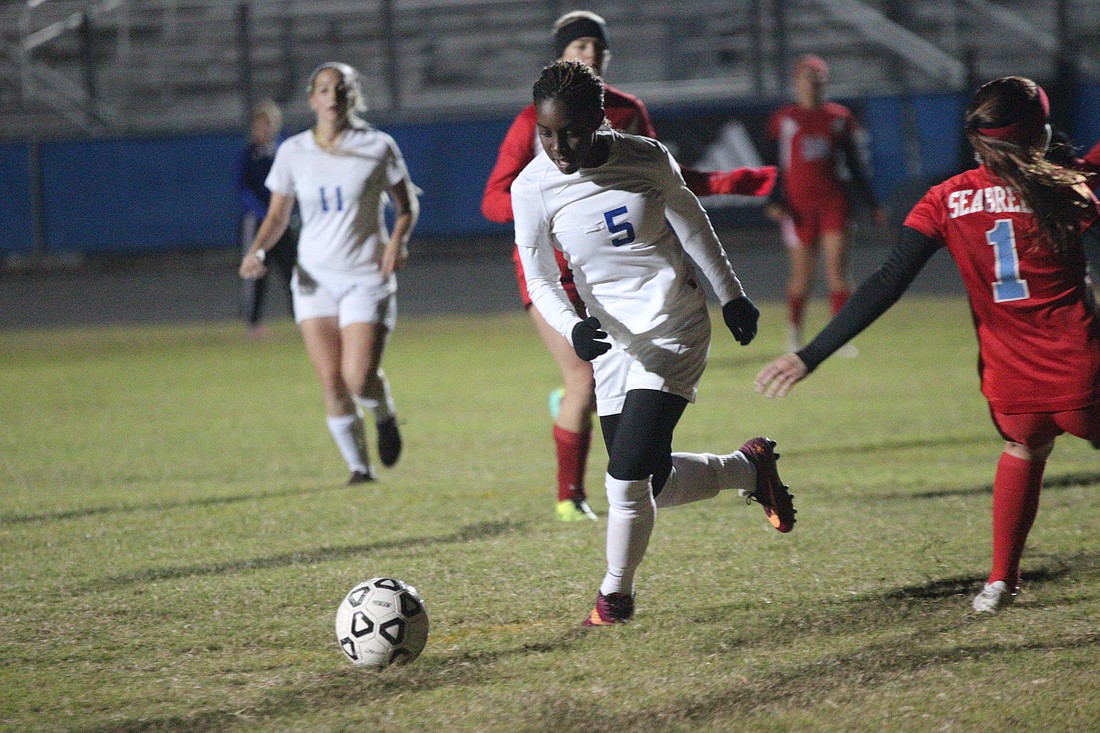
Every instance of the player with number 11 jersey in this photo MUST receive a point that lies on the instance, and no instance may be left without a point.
(341, 194)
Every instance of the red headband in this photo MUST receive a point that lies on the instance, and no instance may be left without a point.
(1025, 129)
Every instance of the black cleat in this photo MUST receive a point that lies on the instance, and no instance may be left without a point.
(360, 477)
(389, 442)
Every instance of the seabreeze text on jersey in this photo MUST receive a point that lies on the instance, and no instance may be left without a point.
(992, 200)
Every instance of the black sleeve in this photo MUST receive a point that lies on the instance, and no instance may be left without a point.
(778, 193)
(861, 179)
(873, 297)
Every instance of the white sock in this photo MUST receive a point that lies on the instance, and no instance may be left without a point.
(383, 409)
(698, 476)
(347, 431)
(629, 524)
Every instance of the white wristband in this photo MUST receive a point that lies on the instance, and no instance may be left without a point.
(260, 254)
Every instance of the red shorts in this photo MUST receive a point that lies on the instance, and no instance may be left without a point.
(1038, 429)
(566, 279)
(808, 220)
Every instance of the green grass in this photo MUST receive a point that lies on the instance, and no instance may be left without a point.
(175, 537)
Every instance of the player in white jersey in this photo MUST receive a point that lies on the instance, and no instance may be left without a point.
(607, 201)
(341, 173)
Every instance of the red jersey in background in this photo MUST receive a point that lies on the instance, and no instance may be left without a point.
(811, 143)
(1039, 342)
(625, 112)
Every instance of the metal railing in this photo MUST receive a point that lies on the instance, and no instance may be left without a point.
(131, 66)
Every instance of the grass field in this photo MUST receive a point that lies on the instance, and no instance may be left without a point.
(175, 537)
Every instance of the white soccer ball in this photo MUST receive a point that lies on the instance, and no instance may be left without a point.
(382, 622)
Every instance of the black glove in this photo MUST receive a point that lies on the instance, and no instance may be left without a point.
(741, 316)
(587, 339)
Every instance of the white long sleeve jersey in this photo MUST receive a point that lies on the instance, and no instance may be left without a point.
(612, 223)
(341, 196)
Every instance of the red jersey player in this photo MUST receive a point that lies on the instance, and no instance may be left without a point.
(816, 141)
(1013, 226)
(582, 36)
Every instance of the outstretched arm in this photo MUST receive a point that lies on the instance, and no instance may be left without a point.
(746, 181)
(870, 300)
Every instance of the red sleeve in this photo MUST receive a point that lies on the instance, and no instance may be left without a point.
(627, 113)
(739, 181)
(645, 125)
(929, 215)
(1091, 161)
(516, 151)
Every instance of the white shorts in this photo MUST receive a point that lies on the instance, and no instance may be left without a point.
(352, 300)
(671, 364)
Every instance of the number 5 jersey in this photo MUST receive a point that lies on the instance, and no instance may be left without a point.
(624, 227)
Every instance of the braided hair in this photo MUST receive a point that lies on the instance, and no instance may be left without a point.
(573, 83)
(1006, 123)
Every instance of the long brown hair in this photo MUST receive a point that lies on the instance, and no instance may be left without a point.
(1006, 123)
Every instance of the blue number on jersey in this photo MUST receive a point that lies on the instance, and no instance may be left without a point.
(1006, 261)
(626, 228)
(339, 199)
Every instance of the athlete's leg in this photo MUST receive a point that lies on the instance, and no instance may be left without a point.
(252, 289)
(573, 425)
(364, 344)
(642, 446)
(1016, 489)
(283, 257)
(362, 348)
(834, 245)
(834, 242)
(803, 261)
(1029, 439)
(1083, 423)
(323, 346)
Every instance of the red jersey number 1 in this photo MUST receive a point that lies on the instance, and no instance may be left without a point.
(1006, 262)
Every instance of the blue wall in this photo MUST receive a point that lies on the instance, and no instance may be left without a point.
(1087, 115)
(141, 195)
(16, 224)
(936, 120)
(451, 162)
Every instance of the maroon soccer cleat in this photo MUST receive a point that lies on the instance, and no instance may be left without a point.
(614, 608)
(771, 492)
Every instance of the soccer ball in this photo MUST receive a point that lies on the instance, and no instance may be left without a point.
(382, 622)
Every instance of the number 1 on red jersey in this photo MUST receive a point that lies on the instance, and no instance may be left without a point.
(1006, 262)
